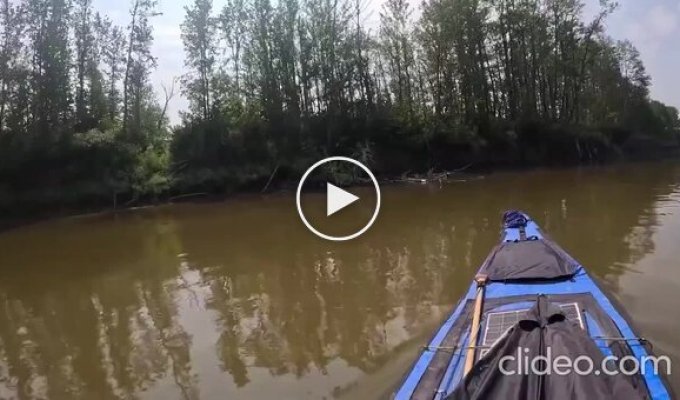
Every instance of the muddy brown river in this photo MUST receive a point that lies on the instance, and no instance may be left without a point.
(237, 300)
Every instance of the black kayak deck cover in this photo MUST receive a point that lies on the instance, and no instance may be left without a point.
(545, 326)
(528, 260)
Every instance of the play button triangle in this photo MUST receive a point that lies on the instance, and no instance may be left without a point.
(337, 199)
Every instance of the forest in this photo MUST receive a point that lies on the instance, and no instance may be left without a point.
(273, 86)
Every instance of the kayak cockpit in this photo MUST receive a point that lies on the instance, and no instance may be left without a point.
(445, 370)
(543, 333)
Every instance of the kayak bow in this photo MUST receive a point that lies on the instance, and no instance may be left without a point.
(531, 295)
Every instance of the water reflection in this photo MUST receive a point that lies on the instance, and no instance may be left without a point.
(235, 300)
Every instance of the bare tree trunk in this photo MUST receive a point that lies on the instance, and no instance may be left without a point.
(169, 94)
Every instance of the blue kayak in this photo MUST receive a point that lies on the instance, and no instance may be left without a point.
(531, 298)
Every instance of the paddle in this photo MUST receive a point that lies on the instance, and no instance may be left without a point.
(476, 318)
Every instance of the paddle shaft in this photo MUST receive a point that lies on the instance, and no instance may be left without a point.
(476, 318)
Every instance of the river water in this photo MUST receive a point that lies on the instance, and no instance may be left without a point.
(237, 300)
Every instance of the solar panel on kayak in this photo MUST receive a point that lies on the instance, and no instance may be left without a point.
(498, 323)
(541, 329)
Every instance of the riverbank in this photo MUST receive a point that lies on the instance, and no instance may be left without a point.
(28, 211)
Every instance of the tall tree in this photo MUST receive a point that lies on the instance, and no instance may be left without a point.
(51, 63)
(97, 99)
(138, 65)
(397, 46)
(113, 60)
(199, 38)
(84, 42)
(232, 24)
(12, 27)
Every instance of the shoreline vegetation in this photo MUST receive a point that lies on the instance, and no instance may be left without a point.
(465, 174)
(274, 86)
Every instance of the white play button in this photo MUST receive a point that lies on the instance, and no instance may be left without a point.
(337, 199)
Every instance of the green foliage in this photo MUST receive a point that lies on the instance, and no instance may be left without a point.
(664, 118)
(64, 141)
(150, 176)
(470, 81)
(275, 85)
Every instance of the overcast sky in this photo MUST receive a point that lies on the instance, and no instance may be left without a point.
(652, 25)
